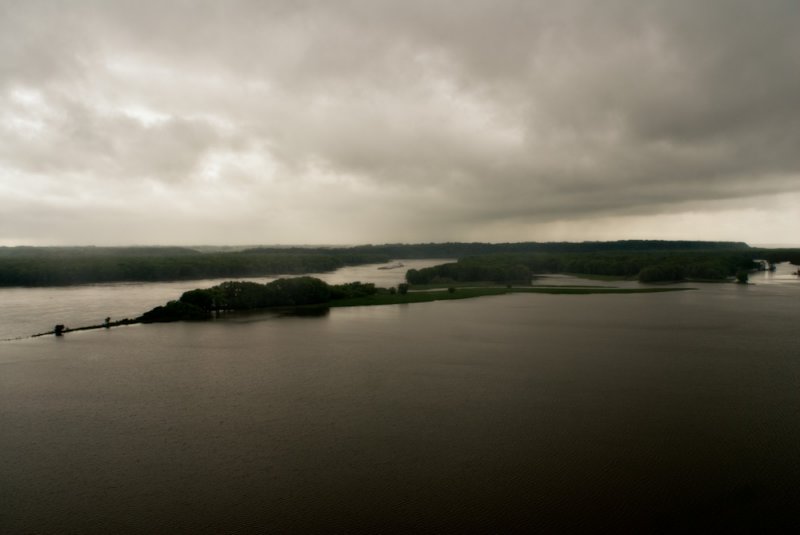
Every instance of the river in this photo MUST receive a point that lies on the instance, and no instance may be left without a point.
(666, 412)
(27, 311)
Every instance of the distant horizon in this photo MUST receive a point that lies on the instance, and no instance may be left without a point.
(346, 245)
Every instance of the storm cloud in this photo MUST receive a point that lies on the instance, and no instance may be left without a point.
(371, 121)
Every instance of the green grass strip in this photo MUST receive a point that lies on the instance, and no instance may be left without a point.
(598, 277)
(485, 284)
(467, 293)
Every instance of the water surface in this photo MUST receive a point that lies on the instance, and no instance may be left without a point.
(666, 412)
(27, 311)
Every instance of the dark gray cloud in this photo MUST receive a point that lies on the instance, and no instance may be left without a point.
(353, 121)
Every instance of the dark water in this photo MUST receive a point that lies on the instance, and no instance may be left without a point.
(671, 412)
(27, 311)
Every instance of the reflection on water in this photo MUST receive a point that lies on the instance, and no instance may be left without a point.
(785, 274)
(666, 412)
(27, 311)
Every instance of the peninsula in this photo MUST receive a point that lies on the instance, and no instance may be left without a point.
(309, 293)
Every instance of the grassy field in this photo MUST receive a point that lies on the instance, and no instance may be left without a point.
(489, 284)
(468, 293)
(589, 276)
(571, 286)
(453, 284)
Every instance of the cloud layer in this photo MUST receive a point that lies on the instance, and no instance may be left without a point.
(371, 121)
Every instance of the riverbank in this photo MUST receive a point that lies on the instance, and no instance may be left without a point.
(463, 292)
(383, 297)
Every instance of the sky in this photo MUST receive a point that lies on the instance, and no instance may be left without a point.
(348, 122)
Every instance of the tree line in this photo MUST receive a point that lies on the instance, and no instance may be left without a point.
(462, 250)
(647, 266)
(57, 268)
(649, 260)
(239, 295)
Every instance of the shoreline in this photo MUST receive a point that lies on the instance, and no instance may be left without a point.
(383, 299)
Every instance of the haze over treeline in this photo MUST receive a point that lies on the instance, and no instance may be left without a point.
(241, 122)
(673, 260)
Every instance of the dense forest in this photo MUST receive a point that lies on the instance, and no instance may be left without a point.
(80, 265)
(461, 250)
(237, 295)
(647, 260)
(646, 266)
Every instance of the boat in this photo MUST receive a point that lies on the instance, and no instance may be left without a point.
(392, 266)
